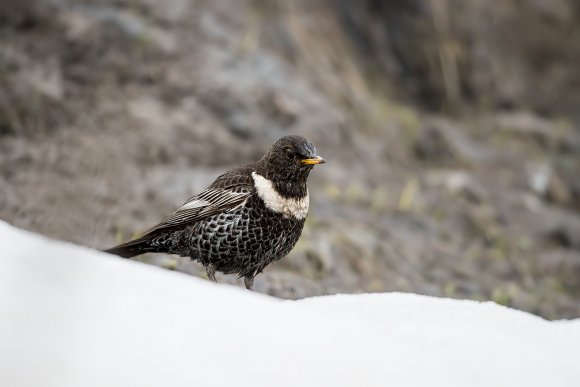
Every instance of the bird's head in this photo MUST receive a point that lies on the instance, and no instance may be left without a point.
(292, 155)
(290, 160)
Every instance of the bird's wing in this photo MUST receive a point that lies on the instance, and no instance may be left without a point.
(228, 191)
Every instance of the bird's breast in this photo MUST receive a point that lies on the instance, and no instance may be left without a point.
(289, 207)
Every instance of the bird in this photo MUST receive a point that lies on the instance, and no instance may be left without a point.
(250, 216)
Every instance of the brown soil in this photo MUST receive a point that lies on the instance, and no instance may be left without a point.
(450, 130)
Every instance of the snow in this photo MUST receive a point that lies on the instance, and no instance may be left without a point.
(71, 316)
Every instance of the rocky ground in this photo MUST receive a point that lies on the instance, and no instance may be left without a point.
(453, 167)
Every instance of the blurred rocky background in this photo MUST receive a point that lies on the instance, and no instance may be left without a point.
(451, 130)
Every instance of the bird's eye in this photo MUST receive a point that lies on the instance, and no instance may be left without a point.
(289, 153)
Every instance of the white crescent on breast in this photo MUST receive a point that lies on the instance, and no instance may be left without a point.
(297, 208)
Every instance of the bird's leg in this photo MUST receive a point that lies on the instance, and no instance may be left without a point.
(210, 272)
(249, 281)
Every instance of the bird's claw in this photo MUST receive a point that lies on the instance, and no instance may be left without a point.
(210, 272)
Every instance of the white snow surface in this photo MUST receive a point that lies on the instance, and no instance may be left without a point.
(71, 316)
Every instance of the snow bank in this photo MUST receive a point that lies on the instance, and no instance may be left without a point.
(70, 316)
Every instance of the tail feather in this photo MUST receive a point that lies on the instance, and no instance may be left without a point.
(132, 248)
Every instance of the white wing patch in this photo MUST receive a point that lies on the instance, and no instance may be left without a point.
(194, 203)
(214, 198)
(209, 202)
(297, 208)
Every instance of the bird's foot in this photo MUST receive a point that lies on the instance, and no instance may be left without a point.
(210, 272)
(249, 282)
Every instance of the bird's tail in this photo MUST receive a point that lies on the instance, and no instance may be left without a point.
(132, 248)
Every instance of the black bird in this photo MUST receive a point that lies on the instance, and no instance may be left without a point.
(249, 217)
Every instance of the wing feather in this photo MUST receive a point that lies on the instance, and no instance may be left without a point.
(227, 192)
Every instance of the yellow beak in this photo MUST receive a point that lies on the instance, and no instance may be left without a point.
(314, 160)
